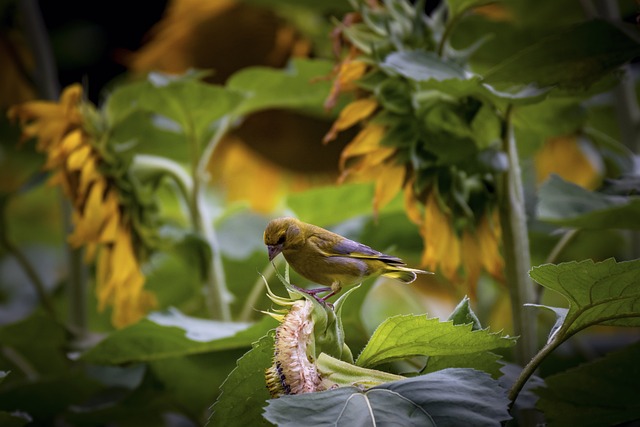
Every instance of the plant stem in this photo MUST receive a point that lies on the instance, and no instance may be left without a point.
(555, 253)
(46, 78)
(24, 263)
(258, 289)
(218, 296)
(515, 243)
(531, 367)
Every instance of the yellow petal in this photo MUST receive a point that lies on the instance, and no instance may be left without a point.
(350, 115)
(366, 141)
(411, 204)
(388, 183)
(77, 158)
(93, 215)
(564, 156)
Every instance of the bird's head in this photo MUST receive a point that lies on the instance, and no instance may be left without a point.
(282, 234)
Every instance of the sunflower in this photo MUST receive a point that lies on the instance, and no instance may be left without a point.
(566, 156)
(101, 219)
(272, 153)
(419, 139)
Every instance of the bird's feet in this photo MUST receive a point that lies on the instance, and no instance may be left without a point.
(314, 293)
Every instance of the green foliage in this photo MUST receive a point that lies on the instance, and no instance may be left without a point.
(405, 336)
(441, 398)
(173, 334)
(602, 392)
(244, 392)
(449, 86)
(570, 205)
(606, 292)
(573, 58)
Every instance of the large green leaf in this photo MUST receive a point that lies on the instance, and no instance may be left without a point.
(194, 381)
(573, 58)
(400, 337)
(606, 292)
(570, 205)
(299, 86)
(451, 397)
(603, 392)
(329, 205)
(39, 341)
(173, 334)
(482, 361)
(244, 392)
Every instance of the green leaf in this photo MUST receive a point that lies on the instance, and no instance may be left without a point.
(244, 392)
(193, 104)
(172, 335)
(299, 86)
(451, 397)
(574, 58)
(567, 204)
(193, 381)
(401, 337)
(332, 204)
(40, 341)
(606, 292)
(602, 392)
(463, 315)
(484, 361)
(420, 66)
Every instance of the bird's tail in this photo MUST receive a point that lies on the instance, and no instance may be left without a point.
(404, 274)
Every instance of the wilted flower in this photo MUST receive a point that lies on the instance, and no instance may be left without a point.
(418, 138)
(102, 220)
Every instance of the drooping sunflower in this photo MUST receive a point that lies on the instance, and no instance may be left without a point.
(273, 152)
(103, 212)
(435, 142)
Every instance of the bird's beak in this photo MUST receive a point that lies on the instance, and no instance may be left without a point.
(274, 250)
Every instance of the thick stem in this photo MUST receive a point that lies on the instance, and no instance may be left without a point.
(515, 243)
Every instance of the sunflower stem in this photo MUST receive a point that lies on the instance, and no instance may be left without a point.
(515, 243)
(46, 78)
(217, 293)
(257, 290)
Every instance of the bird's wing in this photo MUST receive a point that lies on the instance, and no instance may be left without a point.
(346, 247)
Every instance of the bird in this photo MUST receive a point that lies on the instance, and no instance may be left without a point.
(329, 259)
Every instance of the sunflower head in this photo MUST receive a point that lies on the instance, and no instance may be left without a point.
(427, 129)
(108, 214)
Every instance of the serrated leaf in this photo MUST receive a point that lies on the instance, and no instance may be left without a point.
(300, 85)
(451, 397)
(606, 292)
(244, 392)
(602, 392)
(401, 337)
(573, 58)
(148, 340)
(567, 204)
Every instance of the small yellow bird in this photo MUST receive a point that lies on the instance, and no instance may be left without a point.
(329, 259)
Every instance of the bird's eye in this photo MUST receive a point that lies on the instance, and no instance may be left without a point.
(280, 240)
